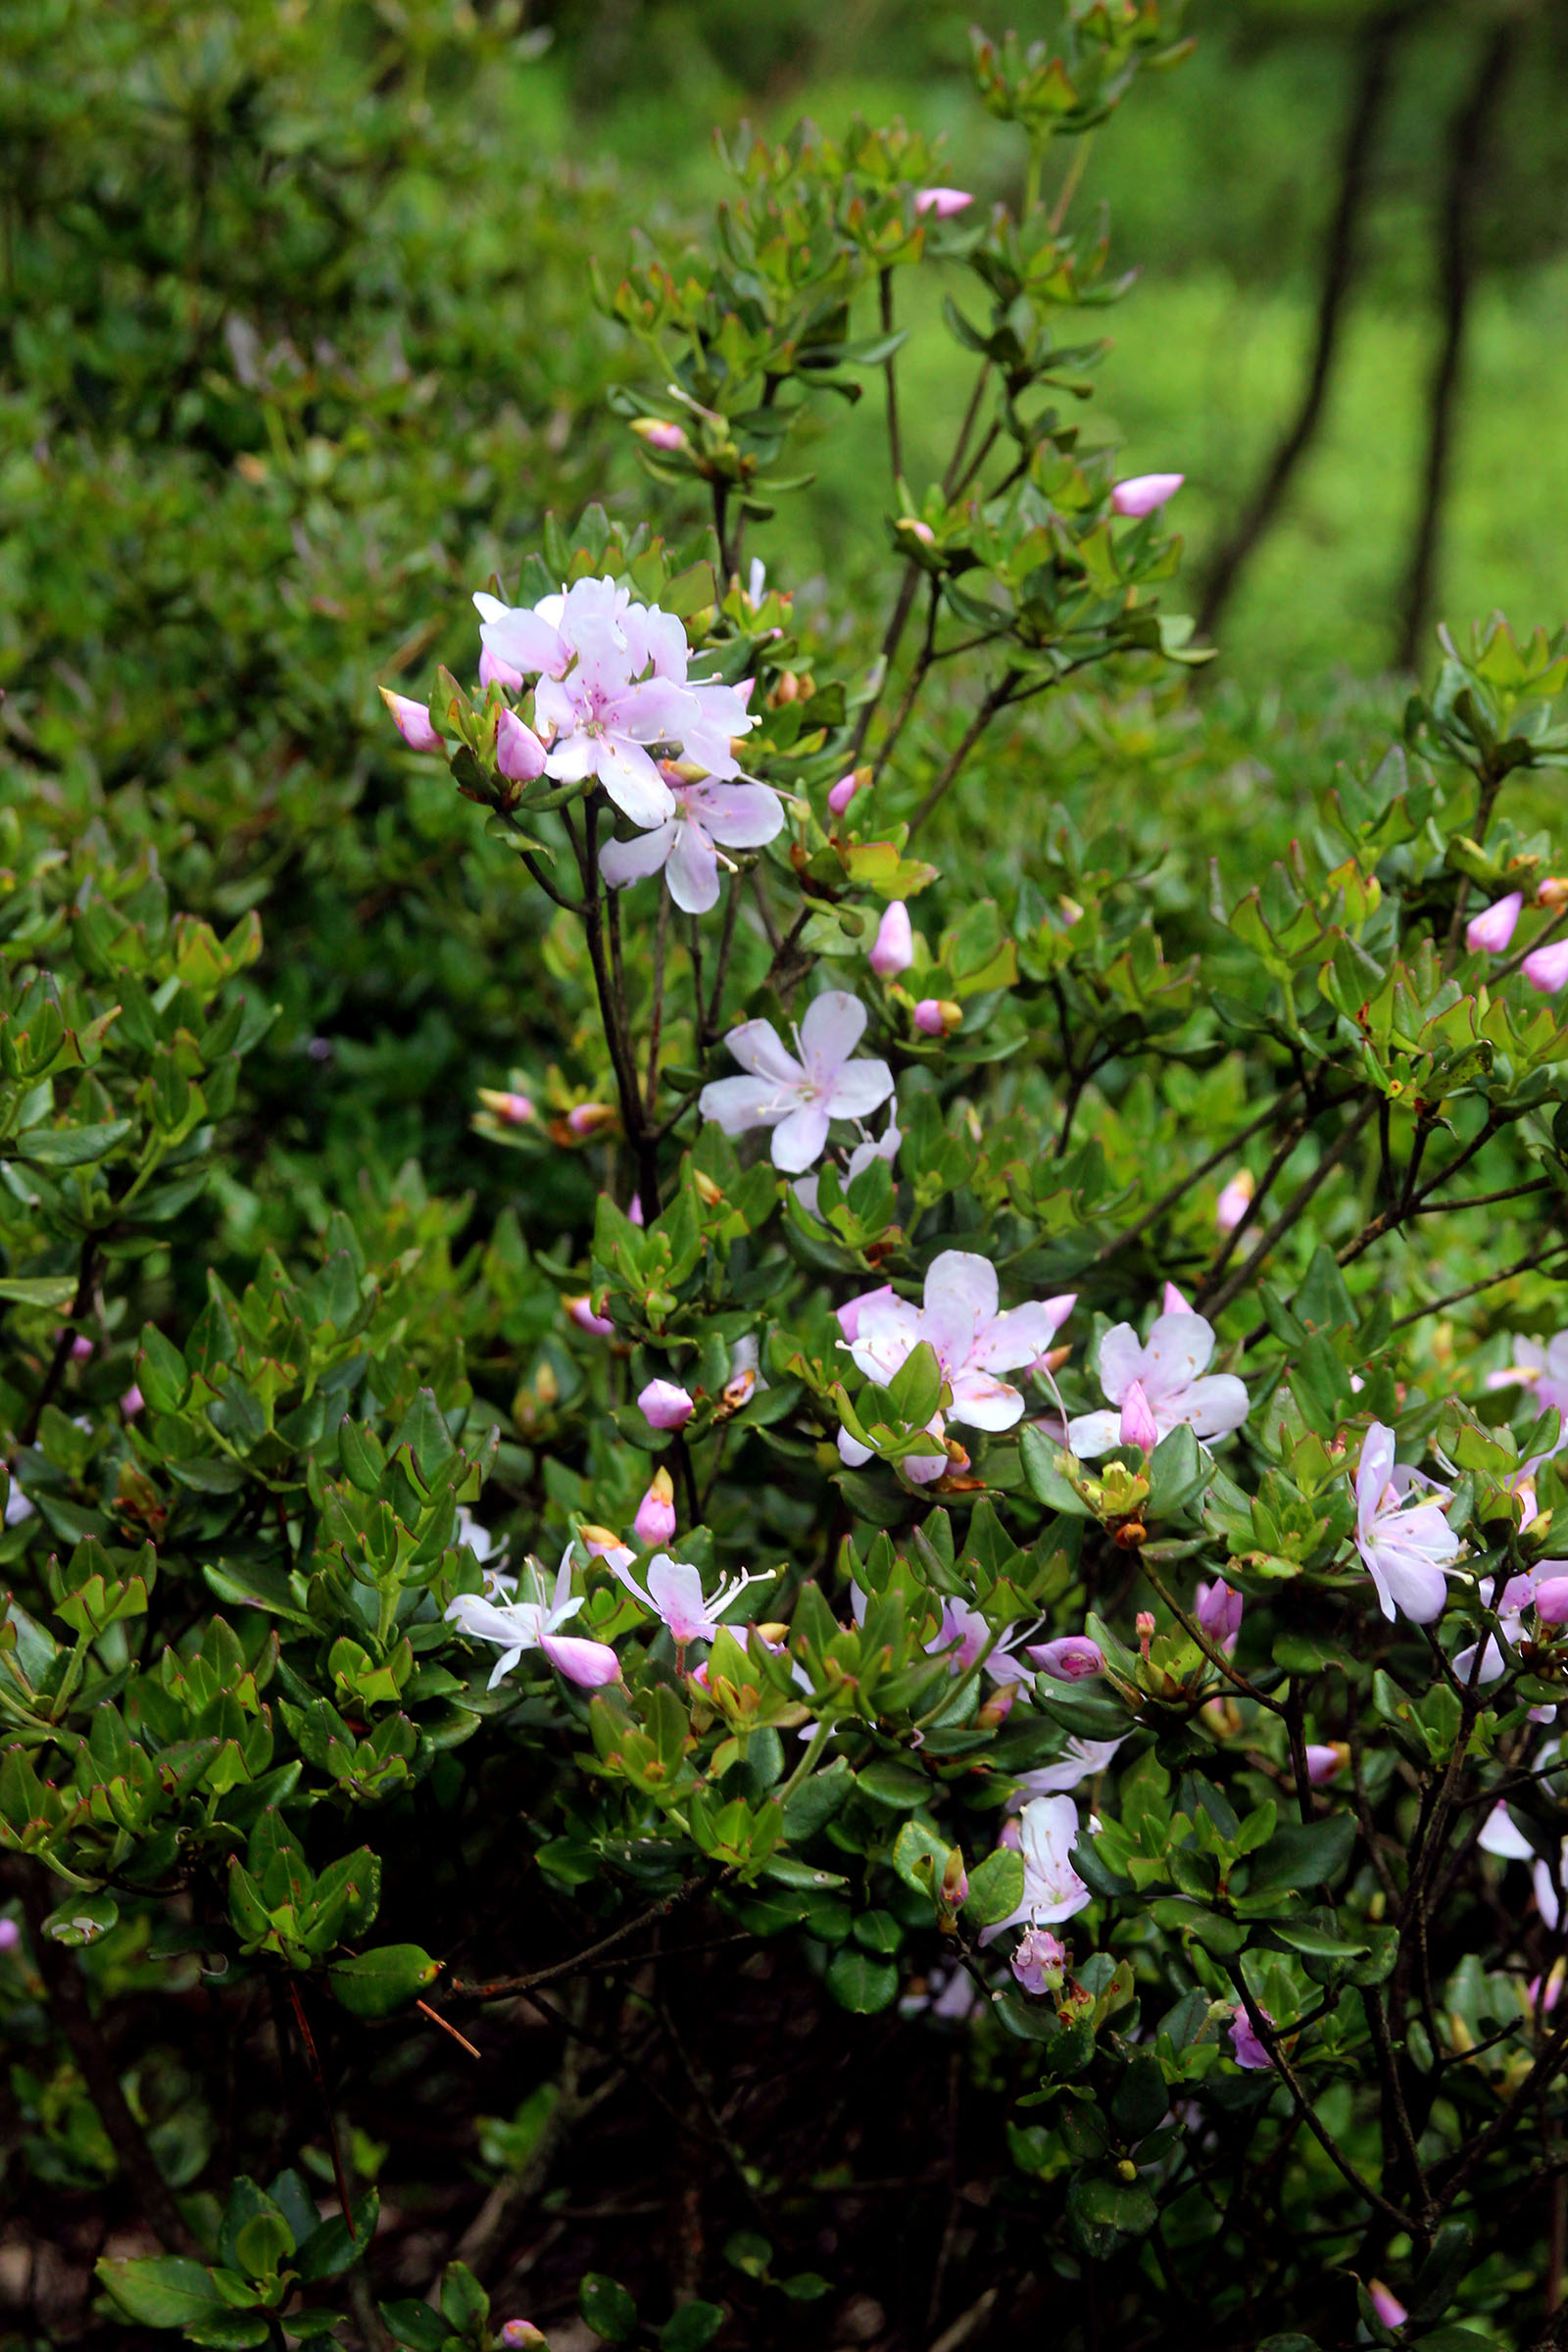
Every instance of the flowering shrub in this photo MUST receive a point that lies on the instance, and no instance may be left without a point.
(987, 1537)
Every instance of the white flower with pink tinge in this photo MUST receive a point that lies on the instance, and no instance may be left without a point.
(1542, 1367)
(1407, 1546)
(612, 681)
(799, 1095)
(1165, 1381)
(1046, 1834)
(515, 1626)
(709, 819)
(973, 1341)
(674, 1591)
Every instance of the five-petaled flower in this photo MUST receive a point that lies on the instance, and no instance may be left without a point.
(708, 818)
(1407, 1547)
(1176, 1388)
(799, 1095)
(973, 1341)
(1053, 1890)
(674, 1591)
(535, 1623)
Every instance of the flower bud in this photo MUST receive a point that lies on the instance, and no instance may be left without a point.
(997, 1707)
(665, 1406)
(660, 433)
(1326, 1761)
(412, 722)
(1219, 1612)
(590, 1118)
(582, 1314)
(519, 754)
(1173, 1304)
(1142, 493)
(1137, 1424)
(1390, 2310)
(912, 527)
(1145, 1624)
(515, 1111)
(845, 790)
(1552, 891)
(1040, 1960)
(654, 1522)
(1071, 1659)
(938, 1016)
(943, 202)
(1488, 934)
(132, 1402)
(521, 2335)
(893, 950)
(1547, 968)
(955, 1880)
(81, 1350)
(493, 671)
(1551, 1599)
(10, 1935)
(1235, 1201)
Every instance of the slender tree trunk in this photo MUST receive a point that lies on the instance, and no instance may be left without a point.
(1342, 255)
(1469, 150)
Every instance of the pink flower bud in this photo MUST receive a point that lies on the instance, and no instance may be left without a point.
(582, 1314)
(845, 790)
(587, 1118)
(1552, 1600)
(849, 1314)
(513, 1111)
(521, 2335)
(412, 722)
(894, 948)
(665, 1405)
(1235, 1201)
(1071, 1659)
(1137, 1424)
(10, 1935)
(132, 1402)
(81, 1350)
(493, 671)
(519, 754)
(944, 202)
(1040, 1960)
(1142, 493)
(654, 1522)
(1325, 1763)
(955, 1880)
(660, 433)
(1390, 2310)
(634, 1214)
(1219, 1612)
(1490, 933)
(1248, 2048)
(1552, 891)
(1144, 1625)
(1547, 968)
(913, 528)
(938, 1016)
(1173, 1304)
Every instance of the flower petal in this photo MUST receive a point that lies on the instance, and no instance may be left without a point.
(833, 1027)
(757, 1046)
(623, 862)
(739, 1104)
(591, 1664)
(633, 782)
(1093, 1434)
(743, 817)
(692, 869)
(1178, 1351)
(858, 1088)
(1211, 1408)
(1121, 1361)
(799, 1139)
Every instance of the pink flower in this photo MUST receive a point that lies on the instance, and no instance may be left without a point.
(849, 1314)
(1551, 1599)
(845, 790)
(674, 1591)
(1325, 1761)
(1488, 934)
(654, 1522)
(944, 202)
(1542, 1367)
(1053, 1890)
(1547, 968)
(412, 722)
(81, 1350)
(515, 1626)
(972, 1341)
(1137, 1424)
(494, 672)
(665, 1405)
(1079, 1761)
(1073, 1658)
(660, 433)
(613, 681)
(582, 1314)
(1219, 1613)
(799, 1098)
(1244, 2040)
(132, 1402)
(1406, 1549)
(1142, 493)
(738, 816)
(1038, 1961)
(893, 950)
(1390, 2310)
(1235, 1201)
(1170, 1372)
(512, 1109)
(519, 754)
(937, 1016)
(10, 1935)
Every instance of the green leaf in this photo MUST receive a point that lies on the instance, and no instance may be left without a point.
(374, 1984)
(893, 1785)
(1045, 1481)
(861, 1982)
(415, 2325)
(1104, 2213)
(693, 2327)
(39, 1289)
(229, 2331)
(162, 2291)
(465, 2305)
(996, 1888)
(82, 1918)
(72, 1146)
(1303, 1854)
(330, 2250)
(607, 2308)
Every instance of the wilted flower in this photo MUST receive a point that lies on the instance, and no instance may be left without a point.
(1406, 1549)
(1170, 1372)
(665, 1406)
(674, 1591)
(582, 1314)
(1488, 934)
(19, 1505)
(1245, 2041)
(972, 1341)
(1142, 493)
(893, 949)
(1040, 1960)
(799, 1098)
(412, 722)
(1547, 968)
(944, 202)
(516, 1626)
(654, 1522)
(709, 817)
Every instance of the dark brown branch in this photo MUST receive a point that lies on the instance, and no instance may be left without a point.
(994, 700)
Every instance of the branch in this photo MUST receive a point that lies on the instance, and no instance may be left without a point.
(502, 1988)
(994, 700)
